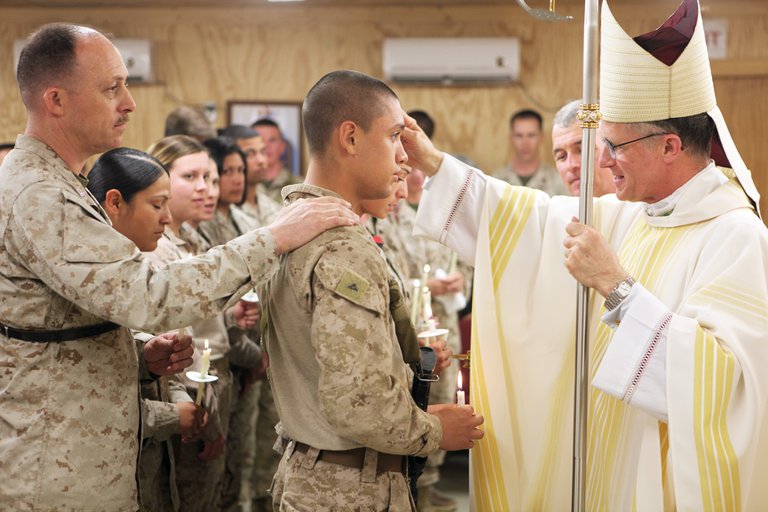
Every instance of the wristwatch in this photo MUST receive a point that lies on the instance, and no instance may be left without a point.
(619, 293)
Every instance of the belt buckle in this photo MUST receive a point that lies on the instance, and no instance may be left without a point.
(5, 331)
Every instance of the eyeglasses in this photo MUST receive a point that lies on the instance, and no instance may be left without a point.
(613, 147)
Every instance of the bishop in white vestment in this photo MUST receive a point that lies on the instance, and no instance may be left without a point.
(678, 375)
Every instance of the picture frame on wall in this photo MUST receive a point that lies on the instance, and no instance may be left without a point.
(286, 114)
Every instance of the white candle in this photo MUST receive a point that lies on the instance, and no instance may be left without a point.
(425, 275)
(206, 361)
(460, 399)
(205, 364)
(431, 327)
(427, 304)
(452, 263)
(415, 301)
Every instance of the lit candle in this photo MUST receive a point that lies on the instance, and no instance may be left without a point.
(460, 399)
(425, 275)
(205, 364)
(415, 301)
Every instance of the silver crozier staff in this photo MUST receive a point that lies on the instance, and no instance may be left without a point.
(589, 115)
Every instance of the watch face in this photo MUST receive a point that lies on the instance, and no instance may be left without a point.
(624, 288)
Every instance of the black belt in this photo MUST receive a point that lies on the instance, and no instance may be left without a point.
(74, 333)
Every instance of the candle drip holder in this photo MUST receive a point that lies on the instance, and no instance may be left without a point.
(431, 332)
(196, 377)
(201, 380)
(251, 296)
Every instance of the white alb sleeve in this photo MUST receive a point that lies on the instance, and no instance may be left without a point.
(633, 368)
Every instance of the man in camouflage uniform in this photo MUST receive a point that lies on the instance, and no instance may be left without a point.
(69, 410)
(339, 380)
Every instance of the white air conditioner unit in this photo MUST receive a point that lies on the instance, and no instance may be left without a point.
(452, 60)
(136, 53)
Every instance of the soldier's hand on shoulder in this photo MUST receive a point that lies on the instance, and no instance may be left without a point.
(304, 219)
(167, 354)
(460, 425)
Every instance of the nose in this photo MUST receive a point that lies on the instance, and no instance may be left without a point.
(165, 215)
(401, 156)
(574, 163)
(201, 184)
(127, 105)
(605, 159)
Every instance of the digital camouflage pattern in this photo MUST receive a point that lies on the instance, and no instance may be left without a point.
(338, 375)
(284, 178)
(69, 412)
(303, 483)
(266, 209)
(200, 483)
(159, 420)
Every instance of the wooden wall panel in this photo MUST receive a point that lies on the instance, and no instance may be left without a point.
(277, 54)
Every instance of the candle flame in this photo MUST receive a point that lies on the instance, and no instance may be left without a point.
(459, 379)
(206, 343)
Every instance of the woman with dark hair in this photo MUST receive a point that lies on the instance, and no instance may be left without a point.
(133, 188)
(228, 222)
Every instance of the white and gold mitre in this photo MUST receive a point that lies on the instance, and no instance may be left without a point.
(636, 86)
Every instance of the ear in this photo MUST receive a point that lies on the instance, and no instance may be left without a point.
(113, 203)
(53, 99)
(348, 137)
(673, 147)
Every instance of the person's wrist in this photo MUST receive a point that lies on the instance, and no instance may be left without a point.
(611, 283)
(433, 163)
(277, 239)
(619, 292)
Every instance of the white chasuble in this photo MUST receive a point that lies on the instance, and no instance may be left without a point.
(707, 266)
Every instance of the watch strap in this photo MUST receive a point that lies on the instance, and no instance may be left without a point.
(617, 295)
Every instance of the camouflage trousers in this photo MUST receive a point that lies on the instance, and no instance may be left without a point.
(304, 484)
(156, 482)
(266, 458)
(240, 444)
(200, 483)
